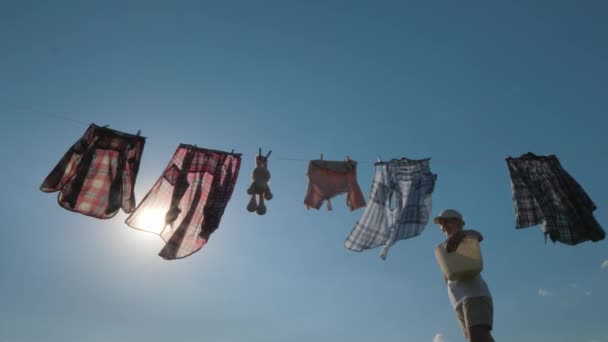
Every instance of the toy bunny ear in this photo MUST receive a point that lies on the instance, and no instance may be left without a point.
(268, 155)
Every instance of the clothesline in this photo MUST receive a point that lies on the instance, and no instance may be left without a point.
(276, 157)
(63, 117)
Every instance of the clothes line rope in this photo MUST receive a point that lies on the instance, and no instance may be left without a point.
(69, 118)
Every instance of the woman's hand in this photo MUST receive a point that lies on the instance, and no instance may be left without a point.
(452, 243)
(475, 234)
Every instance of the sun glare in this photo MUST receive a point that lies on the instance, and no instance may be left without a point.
(153, 220)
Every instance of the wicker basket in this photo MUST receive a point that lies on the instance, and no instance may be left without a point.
(465, 262)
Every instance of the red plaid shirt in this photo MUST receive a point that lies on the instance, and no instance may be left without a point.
(97, 174)
(191, 196)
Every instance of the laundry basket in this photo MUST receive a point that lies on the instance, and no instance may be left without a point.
(465, 262)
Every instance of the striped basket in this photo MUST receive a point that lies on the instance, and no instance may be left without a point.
(465, 262)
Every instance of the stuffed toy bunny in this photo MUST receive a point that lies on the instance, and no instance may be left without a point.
(259, 186)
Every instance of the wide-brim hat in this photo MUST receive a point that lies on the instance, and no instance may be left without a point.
(448, 213)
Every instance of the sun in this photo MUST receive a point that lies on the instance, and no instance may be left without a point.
(152, 220)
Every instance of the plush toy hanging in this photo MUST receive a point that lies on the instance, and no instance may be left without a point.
(259, 186)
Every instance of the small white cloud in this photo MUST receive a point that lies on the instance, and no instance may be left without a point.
(544, 292)
(605, 264)
(439, 338)
(587, 293)
(573, 285)
(594, 341)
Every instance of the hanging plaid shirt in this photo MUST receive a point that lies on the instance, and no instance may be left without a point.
(408, 185)
(544, 193)
(187, 202)
(97, 174)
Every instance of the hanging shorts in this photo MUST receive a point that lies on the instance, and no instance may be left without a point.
(187, 202)
(399, 205)
(97, 174)
(544, 193)
(327, 179)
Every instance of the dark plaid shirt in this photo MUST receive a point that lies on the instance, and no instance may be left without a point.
(97, 174)
(544, 193)
(191, 194)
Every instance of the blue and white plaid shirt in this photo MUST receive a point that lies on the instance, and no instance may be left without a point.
(409, 183)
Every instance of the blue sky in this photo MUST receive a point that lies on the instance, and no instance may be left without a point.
(465, 83)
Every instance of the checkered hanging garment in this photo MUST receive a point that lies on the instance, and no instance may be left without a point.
(544, 193)
(187, 202)
(406, 183)
(97, 174)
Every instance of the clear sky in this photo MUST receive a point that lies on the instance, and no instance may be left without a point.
(466, 83)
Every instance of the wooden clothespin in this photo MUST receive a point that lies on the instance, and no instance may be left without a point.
(379, 159)
(138, 132)
(347, 158)
(321, 156)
